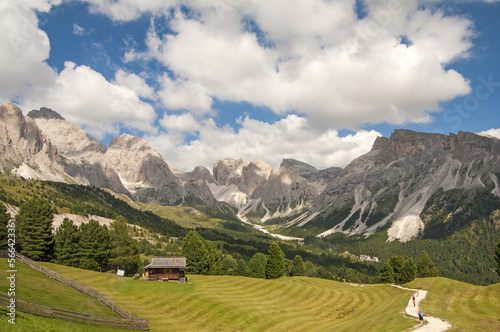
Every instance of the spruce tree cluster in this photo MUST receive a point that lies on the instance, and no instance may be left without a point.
(398, 270)
(201, 255)
(34, 229)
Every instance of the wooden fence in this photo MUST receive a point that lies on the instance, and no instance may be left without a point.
(72, 316)
(133, 321)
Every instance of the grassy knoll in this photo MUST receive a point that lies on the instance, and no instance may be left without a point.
(222, 303)
(36, 287)
(467, 307)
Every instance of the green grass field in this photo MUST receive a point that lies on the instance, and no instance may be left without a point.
(467, 307)
(224, 303)
(36, 287)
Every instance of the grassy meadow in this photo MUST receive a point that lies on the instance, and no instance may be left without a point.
(225, 303)
(467, 307)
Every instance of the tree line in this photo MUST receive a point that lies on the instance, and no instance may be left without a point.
(90, 246)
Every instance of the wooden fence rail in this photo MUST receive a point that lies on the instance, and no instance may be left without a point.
(85, 289)
(72, 316)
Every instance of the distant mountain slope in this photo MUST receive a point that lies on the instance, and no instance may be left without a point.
(403, 185)
(394, 182)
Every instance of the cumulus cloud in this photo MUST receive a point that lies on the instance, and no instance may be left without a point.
(24, 49)
(291, 137)
(85, 97)
(493, 132)
(338, 70)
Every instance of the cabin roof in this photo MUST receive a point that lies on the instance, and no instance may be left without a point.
(167, 262)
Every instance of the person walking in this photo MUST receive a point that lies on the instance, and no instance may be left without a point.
(421, 317)
(413, 300)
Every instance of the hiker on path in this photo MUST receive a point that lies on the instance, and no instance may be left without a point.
(413, 300)
(421, 317)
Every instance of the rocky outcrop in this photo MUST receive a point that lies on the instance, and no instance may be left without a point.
(394, 181)
(44, 145)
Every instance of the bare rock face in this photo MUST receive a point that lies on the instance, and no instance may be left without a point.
(129, 165)
(143, 171)
(395, 180)
(228, 171)
(259, 192)
(23, 148)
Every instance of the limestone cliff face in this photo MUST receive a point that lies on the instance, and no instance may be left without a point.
(23, 148)
(44, 145)
(143, 171)
(260, 192)
(395, 180)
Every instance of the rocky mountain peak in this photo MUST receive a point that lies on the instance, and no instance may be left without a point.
(299, 167)
(45, 113)
(228, 171)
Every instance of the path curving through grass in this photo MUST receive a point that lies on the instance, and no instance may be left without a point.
(433, 324)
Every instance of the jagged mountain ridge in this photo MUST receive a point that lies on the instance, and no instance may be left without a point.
(387, 187)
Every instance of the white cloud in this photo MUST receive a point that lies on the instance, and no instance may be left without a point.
(493, 132)
(78, 30)
(337, 70)
(184, 123)
(135, 83)
(85, 97)
(291, 137)
(24, 49)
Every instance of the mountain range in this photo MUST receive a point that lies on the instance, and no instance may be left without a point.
(403, 186)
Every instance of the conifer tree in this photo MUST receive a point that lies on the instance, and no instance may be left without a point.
(497, 257)
(397, 263)
(124, 254)
(193, 248)
(213, 263)
(4, 220)
(387, 273)
(34, 227)
(242, 268)
(408, 271)
(275, 267)
(426, 267)
(257, 266)
(298, 267)
(94, 246)
(66, 249)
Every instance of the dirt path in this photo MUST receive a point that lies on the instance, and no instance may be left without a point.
(433, 324)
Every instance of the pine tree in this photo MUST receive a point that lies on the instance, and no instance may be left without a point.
(34, 227)
(4, 220)
(66, 249)
(193, 248)
(397, 263)
(387, 273)
(409, 270)
(94, 246)
(298, 267)
(124, 254)
(310, 270)
(426, 267)
(275, 267)
(242, 268)
(497, 257)
(213, 264)
(257, 266)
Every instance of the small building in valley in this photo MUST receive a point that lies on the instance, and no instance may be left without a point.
(166, 268)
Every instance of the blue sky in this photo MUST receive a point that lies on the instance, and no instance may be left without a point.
(200, 80)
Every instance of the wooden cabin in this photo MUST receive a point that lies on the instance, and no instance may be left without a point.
(166, 268)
